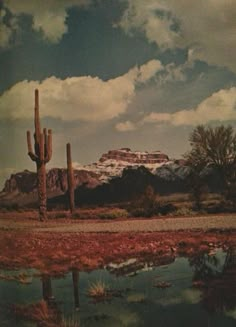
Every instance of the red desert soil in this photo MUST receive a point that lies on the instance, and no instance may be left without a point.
(59, 245)
(56, 253)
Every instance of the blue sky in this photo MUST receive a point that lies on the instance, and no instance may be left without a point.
(114, 73)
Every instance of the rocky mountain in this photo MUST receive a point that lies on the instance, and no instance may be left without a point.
(132, 183)
(112, 163)
(21, 188)
(117, 175)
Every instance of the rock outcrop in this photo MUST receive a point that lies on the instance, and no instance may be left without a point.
(21, 188)
(115, 176)
(135, 157)
(26, 181)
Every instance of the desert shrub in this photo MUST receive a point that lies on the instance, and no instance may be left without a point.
(113, 213)
(145, 205)
(11, 207)
(143, 212)
(150, 204)
(231, 195)
(184, 211)
(76, 215)
(58, 215)
(225, 206)
(167, 209)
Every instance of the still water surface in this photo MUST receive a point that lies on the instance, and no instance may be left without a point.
(201, 292)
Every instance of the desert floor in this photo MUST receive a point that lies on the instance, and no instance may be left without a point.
(59, 245)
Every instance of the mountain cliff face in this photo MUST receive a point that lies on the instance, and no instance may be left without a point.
(115, 173)
(135, 157)
(26, 181)
(21, 188)
(112, 163)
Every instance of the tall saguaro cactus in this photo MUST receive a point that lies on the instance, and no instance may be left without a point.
(70, 178)
(41, 155)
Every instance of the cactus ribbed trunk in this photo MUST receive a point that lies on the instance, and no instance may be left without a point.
(41, 155)
(70, 178)
(42, 190)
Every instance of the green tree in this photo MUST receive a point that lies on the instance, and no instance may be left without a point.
(215, 147)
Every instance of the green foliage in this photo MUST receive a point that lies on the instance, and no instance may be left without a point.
(146, 205)
(214, 147)
(149, 204)
(184, 211)
(113, 213)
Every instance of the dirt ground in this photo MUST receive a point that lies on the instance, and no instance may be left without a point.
(57, 246)
(28, 221)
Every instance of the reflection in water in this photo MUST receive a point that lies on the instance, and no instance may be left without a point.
(217, 282)
(75, 278)
(47, 288)
(210, 302)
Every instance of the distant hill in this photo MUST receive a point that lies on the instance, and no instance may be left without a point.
(119, 175)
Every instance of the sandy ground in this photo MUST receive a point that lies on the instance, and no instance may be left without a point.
(8, 222)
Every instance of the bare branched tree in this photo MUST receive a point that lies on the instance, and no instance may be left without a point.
(214, 147)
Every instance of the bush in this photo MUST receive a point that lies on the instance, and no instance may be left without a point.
(58, 215)
(184, 211)
(113, 213)
(76, 215)
(224, 206)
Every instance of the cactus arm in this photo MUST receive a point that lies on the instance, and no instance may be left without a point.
(30, 151)
(41, 147)
(49, 146)
(70, 178)
(36, 117)
(45, 143)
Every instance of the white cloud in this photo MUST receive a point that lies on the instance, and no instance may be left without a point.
(207, 27)
(220, 106)
(49, 16)
(84, 98)
(141, 14)
(148, 70)
(125, 126)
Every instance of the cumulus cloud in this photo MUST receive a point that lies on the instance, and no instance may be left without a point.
(49, 16)
(84, 98)
(207, 28)
(220, 106)
(148, 70)
(125, 126)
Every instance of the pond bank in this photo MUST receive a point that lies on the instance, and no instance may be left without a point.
(57, 253)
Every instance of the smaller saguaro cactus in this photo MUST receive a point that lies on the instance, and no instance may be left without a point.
(41, 155)
(70, 179)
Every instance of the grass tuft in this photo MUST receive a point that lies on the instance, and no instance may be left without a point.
(98, 289)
